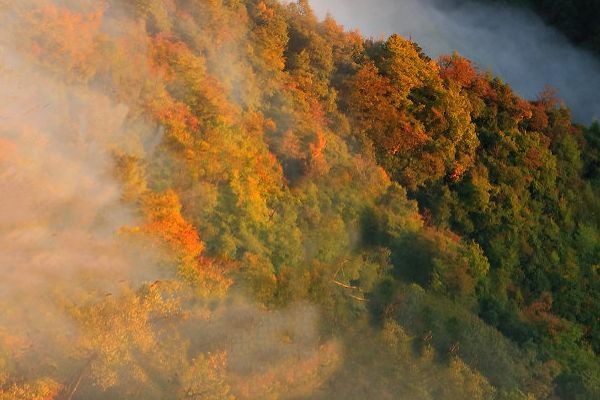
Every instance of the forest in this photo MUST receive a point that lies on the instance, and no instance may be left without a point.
(233, 199)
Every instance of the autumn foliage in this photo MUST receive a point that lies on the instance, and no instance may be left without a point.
(401, 226)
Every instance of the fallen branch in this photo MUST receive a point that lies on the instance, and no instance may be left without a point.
(347, 286)
(359, 298)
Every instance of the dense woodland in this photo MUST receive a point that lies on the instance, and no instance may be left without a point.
(337, 216)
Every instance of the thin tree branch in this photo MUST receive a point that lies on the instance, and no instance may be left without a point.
(347, 286)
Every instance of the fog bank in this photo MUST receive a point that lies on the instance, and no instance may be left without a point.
(512, 43)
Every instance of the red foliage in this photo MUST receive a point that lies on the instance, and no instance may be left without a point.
(539, 117)
(457, 69)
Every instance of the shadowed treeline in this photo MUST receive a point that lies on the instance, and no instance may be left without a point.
(511, 42)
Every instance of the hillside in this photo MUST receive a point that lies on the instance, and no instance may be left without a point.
(231, 199)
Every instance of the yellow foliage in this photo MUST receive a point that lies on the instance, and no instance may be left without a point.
(404, 66)
(470, 383)
(43, 389)
(294, 377)
(189, 82)
(271, 36)
(205, 379)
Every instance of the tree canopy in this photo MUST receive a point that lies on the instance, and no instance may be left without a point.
(305, 213)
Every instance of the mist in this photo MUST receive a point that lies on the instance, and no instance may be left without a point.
(65, 244)
(511, 43)
(61, 206)
(60, 215)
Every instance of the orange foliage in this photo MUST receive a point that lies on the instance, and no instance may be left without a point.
(521, 110)
(7, 148)
(16, 345)
(332, 27)
(539, 117)
(291, 377)
(318, 163)
(458, 173)
(177, 118)
(221, 25)
(163, 213)
(271, 36)
(65, 40)
(458, 69)
(164, 221)
(376, 108)
(188, 81)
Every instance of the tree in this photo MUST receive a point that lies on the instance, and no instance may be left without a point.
(205, 379)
